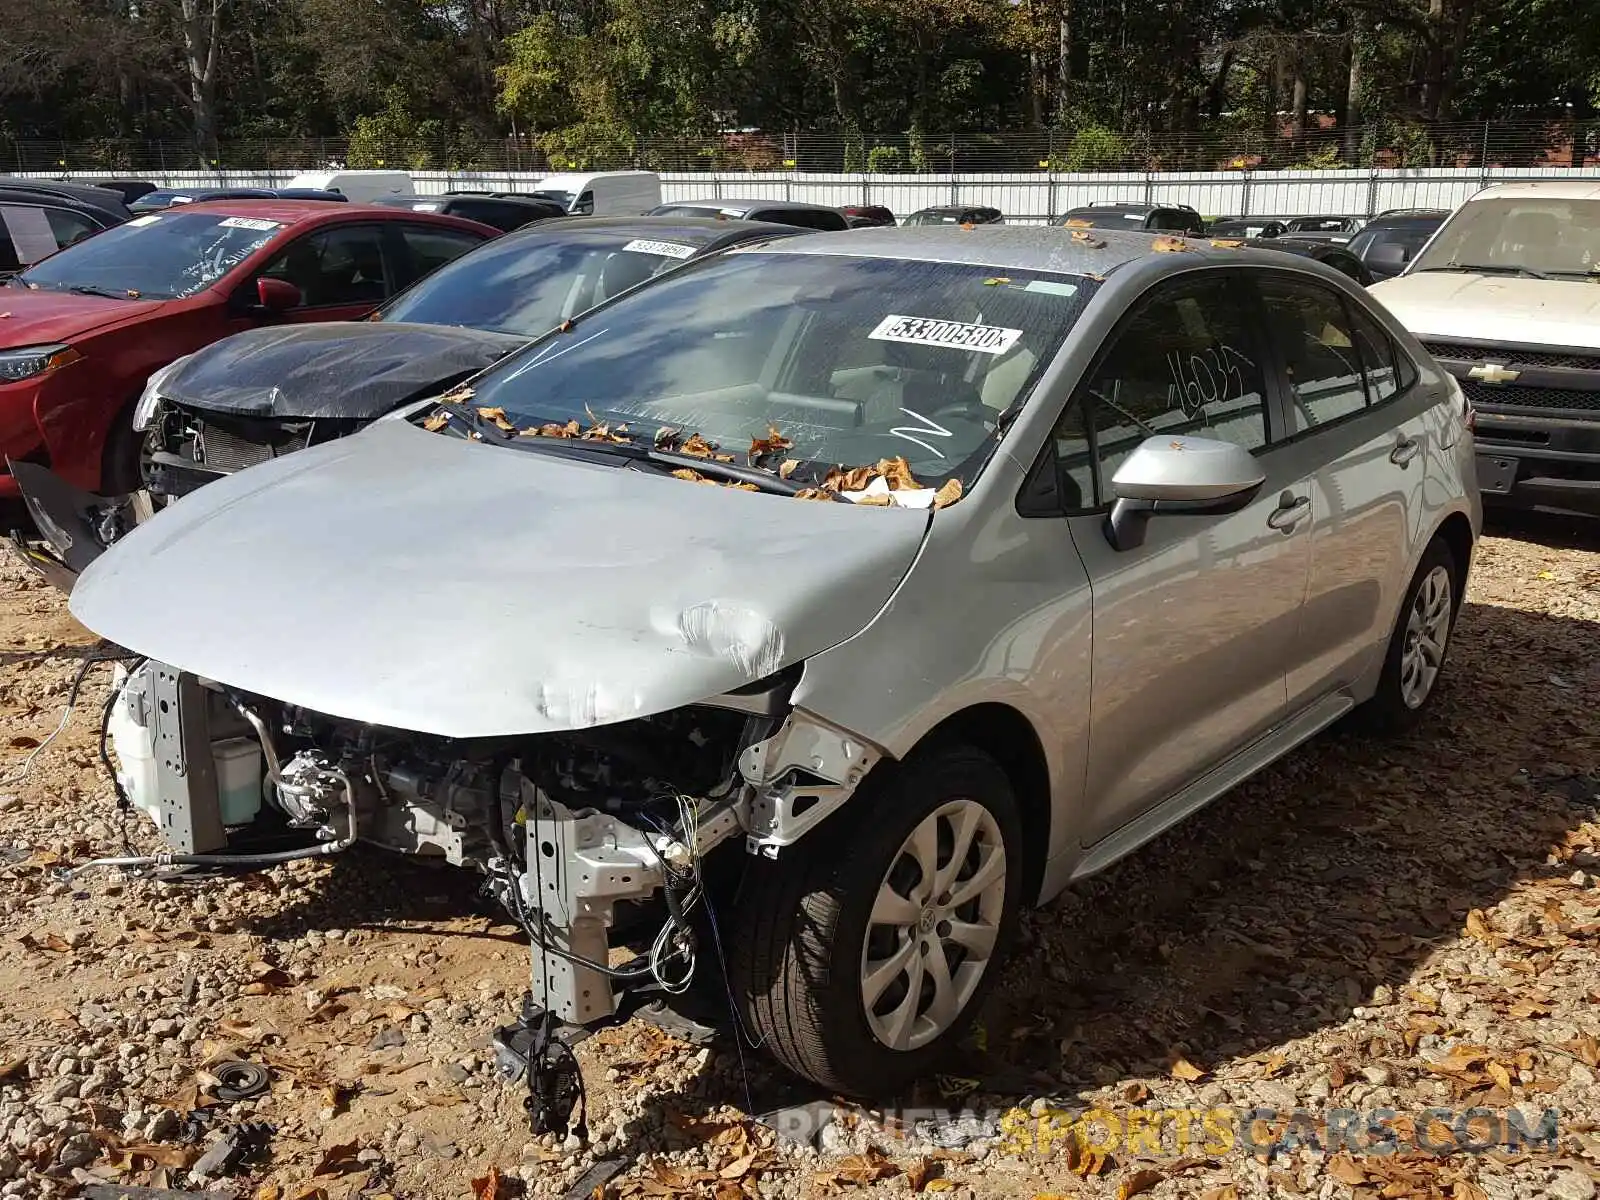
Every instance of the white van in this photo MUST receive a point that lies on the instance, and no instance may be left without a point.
(360, 187)
(603, 194)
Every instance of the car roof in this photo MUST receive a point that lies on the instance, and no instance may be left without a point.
(1021, 247)
(1554, 190)
(295, 212)
(27, 196)
(952, 208)
(103, 199)
(704, 233)
(748, 205)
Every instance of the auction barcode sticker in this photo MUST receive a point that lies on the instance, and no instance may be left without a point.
(665, 249)
(957, 335)
(255, 223)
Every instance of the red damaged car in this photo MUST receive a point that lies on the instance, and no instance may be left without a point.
(82, 331)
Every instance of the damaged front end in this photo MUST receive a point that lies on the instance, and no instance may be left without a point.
(571, 829)
(74, 526)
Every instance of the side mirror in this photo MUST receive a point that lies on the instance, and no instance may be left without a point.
(277, 295)
(1387, 256)
(1179, 475)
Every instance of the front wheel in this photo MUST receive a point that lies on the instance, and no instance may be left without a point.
(863, 954)
(1417, 648)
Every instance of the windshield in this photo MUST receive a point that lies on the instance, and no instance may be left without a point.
(1534, 234)
(159, 256)
(1319, 224)
(1412, 237)
(1103, 218)
(562, 198)
(848, 360)
(527, 285)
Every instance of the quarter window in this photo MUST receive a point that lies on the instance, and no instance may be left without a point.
(1185, 363)
(1320, 358)
(1386, 368)
(432, 248)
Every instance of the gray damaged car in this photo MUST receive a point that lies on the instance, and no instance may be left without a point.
(804, 615)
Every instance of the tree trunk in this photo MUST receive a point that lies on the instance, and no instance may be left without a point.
(1297, 108)
(1352, 93)
(1064, 71)
(202, 47)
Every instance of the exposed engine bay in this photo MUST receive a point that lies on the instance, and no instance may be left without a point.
(566, 827)
(186, 449)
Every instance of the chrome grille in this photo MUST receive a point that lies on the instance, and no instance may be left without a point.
(228, 452)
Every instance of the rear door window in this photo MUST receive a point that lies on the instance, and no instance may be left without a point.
(30, 232)
(1312, 330)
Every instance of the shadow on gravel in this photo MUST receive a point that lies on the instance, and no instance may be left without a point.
(369, 888)
(1545, 529)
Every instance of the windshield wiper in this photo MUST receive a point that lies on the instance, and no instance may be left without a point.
(91, 289)
(473, 421)
(1487, 269)
(732, 472)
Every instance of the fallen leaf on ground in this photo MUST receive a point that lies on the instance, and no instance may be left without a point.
(1185, 1070)
(1478, 927)
(133, 1158)
(1346, 1170)
(337, 1160)
(1139, 1181)
(1227, 1191)
(492, 1186)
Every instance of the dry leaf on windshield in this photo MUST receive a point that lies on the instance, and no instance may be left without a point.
(773, 443)
(949, 492)
(436, 422)
(1185, 1070)
(1087, 239)
(498, 416)
(1079, 223)
(741, 487)
(1139, 1181)
(1226, 243)
(338, 1160)
(813, 494)
(788, 467)
(877, 500)
(897, 474)
(1169, 245)
(698, 446)
(853, 480)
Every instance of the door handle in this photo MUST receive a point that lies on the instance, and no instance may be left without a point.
(1404, 451)
(1290, 510)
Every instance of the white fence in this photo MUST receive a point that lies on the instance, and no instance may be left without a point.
(1033, 196)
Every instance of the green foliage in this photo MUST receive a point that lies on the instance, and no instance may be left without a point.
(1094, 148)
(1324, 158)
(885, 160)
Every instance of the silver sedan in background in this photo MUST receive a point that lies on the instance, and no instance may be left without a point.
(1138, 515)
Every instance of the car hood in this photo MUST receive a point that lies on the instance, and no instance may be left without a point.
(38, 318)
(1494, 308)
(356, 369)
(431, 583)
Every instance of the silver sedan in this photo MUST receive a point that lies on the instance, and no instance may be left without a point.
(1142, 515)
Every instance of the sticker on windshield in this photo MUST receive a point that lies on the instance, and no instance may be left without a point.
(665, 249)
(255, 223)
(1050, 287)
(957, 335)
(147, 219)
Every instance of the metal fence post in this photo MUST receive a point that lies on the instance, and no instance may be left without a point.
(1244, 192)
(1372, 190)
(1483, 160)
(1050, 165)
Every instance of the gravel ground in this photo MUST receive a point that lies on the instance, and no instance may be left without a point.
(1400, 926)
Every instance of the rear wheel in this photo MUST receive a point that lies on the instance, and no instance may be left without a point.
(860, 960)
(1418, 646)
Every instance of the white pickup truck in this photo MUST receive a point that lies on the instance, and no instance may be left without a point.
(1506, 295)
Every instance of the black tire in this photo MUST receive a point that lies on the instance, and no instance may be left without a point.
(1388, 713)
(802, 924)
